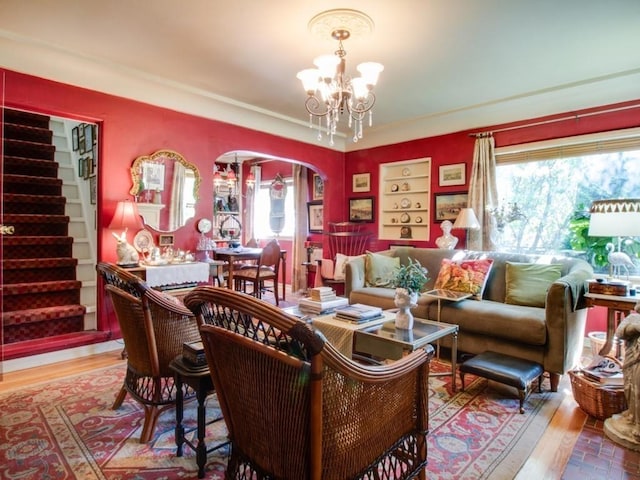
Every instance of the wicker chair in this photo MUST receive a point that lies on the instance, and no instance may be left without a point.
(154, 327)
(267, 268)
(295, 408)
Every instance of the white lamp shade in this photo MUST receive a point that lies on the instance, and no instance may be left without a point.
(126, 217)
(309, 78)
(370, 72)
(360, 89)
(615, 218)
(327, 65)
(466, 219)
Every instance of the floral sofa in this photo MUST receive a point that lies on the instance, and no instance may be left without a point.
(526, 306)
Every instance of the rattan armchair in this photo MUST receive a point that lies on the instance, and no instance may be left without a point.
(154, 327)
(296, 408)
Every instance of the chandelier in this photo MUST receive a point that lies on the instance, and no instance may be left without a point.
(330, 91)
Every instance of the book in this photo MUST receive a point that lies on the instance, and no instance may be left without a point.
(610, 379)
(194, 353)
(322, 294)
(358, 311)
(337, 316)
(314, 306)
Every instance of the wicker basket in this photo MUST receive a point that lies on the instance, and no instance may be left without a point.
(598, 401)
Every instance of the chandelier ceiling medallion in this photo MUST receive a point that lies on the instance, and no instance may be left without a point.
(330, 91)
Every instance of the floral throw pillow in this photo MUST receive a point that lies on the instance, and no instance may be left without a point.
(467, 276)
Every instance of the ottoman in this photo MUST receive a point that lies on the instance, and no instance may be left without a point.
(504, 369)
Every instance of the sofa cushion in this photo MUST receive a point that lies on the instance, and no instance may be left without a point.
(527, 283)
(468, 276)
(380, 269)
(341, 264)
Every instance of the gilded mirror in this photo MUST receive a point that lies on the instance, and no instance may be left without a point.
(165, 187)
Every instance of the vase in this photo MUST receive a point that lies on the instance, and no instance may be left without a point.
(405, 301)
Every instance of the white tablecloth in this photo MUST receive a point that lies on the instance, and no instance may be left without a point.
(177, 274)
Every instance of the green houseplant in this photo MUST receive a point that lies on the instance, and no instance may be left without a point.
(409, 281)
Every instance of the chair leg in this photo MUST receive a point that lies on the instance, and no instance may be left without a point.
(119, 398)
(151, 414)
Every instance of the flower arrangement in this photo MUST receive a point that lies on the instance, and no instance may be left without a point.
(412, 277)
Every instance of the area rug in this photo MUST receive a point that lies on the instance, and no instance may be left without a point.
(66, 429)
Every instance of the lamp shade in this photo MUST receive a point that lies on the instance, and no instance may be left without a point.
(615, 218)
(126, 216)
(466, 219)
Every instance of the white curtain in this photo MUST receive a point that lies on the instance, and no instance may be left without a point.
(299, 280)
(483, 193)
(176, 212)
(250, 206)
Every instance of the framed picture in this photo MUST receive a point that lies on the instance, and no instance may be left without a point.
(88, 167)
(361, 209)
(361, 182)
(165, 240)
(318, 187)
(448, 205)
(81, 167)
(93, 189)
(88, 137)
(452, 174)
(74, 138)
(81, 138)
(153, 176)
(315, 216)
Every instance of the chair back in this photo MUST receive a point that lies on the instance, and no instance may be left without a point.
(119, 277)
(269, 263)
(347, 238)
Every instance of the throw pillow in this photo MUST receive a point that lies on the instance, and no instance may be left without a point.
(467, 276)
(341, 266)
(527, 283)
(380, 269)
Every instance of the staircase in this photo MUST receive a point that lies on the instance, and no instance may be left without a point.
(42, 308)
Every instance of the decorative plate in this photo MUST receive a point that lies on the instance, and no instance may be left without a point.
(143, 241)
(406, 172)
(394, 187)
(204, 225)
(405, 218)
(405, 203)
(418, 219)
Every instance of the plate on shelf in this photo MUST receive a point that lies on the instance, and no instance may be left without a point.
(405, 203)
(204, 225)
(405, 187)
(405, 218)
(394, 187)
(406, 172)
(143, 241)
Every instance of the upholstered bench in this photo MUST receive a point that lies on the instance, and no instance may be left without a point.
(504, 369)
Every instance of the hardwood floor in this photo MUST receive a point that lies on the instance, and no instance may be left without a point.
(547, 461)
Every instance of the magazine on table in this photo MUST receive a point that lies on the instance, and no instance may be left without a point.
(358, 312)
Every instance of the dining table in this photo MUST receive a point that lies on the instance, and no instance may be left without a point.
(240, 254)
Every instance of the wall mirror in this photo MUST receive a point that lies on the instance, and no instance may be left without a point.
(165, 187)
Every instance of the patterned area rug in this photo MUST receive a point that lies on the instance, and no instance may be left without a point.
(66, 429)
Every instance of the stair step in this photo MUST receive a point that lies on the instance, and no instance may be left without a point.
(36, 247)
(36, 225)
(21, 148)
(38, 346)
(16, 203)
(28, 133)
(36, 270)
(30, 167)
(31, 185)
(20, 117)
(42, 322)
(22, 296)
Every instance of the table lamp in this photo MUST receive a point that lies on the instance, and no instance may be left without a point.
(616, 218)
(467, 220)
(125, 217)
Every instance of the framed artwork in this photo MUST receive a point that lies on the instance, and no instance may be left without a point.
(452, 174)
(448, 205)
(315, 216)
(165, 240)
(361, 209)
(361, 182)
(93, 189)
(88, 167)
(81, 167)
(74, 138)
(153, 176)
(318, 187)
(88, 138)
(81, 138)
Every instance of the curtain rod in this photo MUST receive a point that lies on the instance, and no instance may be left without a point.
(545, 122)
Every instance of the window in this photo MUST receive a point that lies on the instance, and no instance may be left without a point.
(545, 194)
(263, 207)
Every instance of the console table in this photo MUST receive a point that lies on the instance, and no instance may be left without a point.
(173, 277)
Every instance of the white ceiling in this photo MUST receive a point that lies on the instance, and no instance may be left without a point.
(449, 65)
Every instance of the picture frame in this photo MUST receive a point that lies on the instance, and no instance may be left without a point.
(81, 145)
(315, 216)
(454, 174)
(74, 138)
(93, 189)
(88, 137)
(361, 182)
(318, 187)
(88, 167)
(81, 167)
(153, 176)
(166, 240)
(448, 205)
(361, 209)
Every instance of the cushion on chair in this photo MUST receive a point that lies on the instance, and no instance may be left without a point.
(341, 264)
(527, 283)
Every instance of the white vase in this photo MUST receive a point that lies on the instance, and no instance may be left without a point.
(405, 301)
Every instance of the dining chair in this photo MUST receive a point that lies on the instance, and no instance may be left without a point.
(154, 327)
(296, 408)
(266, 269)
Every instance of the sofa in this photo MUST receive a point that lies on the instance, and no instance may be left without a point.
(546, 327)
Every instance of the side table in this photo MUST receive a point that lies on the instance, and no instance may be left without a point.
(615, 304)
(199, 379)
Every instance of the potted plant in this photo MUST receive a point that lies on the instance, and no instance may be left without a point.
(409, 281)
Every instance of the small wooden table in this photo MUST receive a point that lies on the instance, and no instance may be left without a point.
(615, 305)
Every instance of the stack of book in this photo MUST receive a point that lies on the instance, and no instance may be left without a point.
(194, 353)
(358, 313)
(307, 305)
(322, 294)
(605, 370)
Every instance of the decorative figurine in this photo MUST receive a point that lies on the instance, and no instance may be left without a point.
(446, 241)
